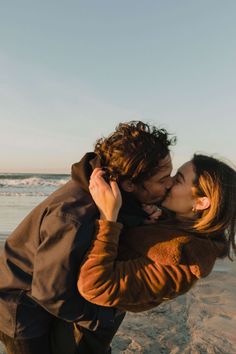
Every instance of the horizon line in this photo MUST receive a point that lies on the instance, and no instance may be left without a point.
(35, 172)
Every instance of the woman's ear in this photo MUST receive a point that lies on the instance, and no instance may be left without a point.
(127, 185)
(202, 203)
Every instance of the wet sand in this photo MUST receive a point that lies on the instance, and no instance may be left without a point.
(201, 322)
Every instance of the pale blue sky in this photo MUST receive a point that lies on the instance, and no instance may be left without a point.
(70, 71)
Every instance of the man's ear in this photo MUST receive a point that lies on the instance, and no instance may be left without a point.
(202, 203)
(127, 185)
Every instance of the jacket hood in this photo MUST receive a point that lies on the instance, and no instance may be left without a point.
(131, 213)
(82, 170)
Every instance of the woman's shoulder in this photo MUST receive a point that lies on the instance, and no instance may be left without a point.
(168, 245)
(154, 236)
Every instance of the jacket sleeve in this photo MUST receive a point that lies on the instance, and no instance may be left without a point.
(52, 262)
(133, 285)
(55, 272)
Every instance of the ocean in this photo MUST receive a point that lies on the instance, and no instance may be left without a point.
(20, 193)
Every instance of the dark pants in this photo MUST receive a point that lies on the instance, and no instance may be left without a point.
(39, 345)
(65, 338)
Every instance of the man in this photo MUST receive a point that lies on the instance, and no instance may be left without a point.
(39, 266)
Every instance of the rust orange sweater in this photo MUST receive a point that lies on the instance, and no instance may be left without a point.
(152, 264)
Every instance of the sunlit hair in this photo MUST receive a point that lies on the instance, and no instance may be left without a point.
(133, 151)
(217, 181)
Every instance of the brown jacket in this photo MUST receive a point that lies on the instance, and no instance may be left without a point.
(155, 263)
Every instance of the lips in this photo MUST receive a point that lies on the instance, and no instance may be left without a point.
(166, 195)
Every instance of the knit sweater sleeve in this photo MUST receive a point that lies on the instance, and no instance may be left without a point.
(134, 285)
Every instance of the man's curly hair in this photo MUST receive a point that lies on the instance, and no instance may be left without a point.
(133, 151)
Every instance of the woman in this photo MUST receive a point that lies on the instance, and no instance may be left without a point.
(158, 262)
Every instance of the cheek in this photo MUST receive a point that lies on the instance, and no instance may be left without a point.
(155, 189)
(175, 192)
(179, 195)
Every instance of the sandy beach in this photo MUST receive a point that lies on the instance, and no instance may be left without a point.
(201, 322)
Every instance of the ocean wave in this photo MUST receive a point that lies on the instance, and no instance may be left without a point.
(25, 194)
(31, 182)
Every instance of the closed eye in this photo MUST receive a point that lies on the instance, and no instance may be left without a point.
(179, 178)
(163, 180)
(176, 181)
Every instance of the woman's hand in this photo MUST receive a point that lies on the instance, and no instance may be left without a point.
(106, 196)
(153, 213)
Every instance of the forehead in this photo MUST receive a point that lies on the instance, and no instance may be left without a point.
(187, 170)
(164, 169)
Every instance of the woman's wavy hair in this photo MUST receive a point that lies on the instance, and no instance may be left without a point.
(133, 151)
(216, 180)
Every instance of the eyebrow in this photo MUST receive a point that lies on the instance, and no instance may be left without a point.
(181, 175)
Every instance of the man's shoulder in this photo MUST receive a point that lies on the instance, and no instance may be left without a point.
(70, 202)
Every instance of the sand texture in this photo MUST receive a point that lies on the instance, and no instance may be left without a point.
(203, 321)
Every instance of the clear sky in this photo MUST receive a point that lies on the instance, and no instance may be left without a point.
(70, 71)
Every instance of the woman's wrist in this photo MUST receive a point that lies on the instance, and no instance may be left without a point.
(112, 216)
(108, 231)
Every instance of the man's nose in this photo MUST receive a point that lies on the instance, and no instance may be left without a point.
(169, 182)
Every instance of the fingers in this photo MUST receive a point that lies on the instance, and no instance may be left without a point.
(115, 189)
(97, 184)
(151, 209)
(96, 178)
(97, 172)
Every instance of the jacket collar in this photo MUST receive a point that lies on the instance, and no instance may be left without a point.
(82, 170)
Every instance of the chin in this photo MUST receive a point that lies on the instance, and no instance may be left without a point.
(153, 201)
(157, 201)
(166, 205)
